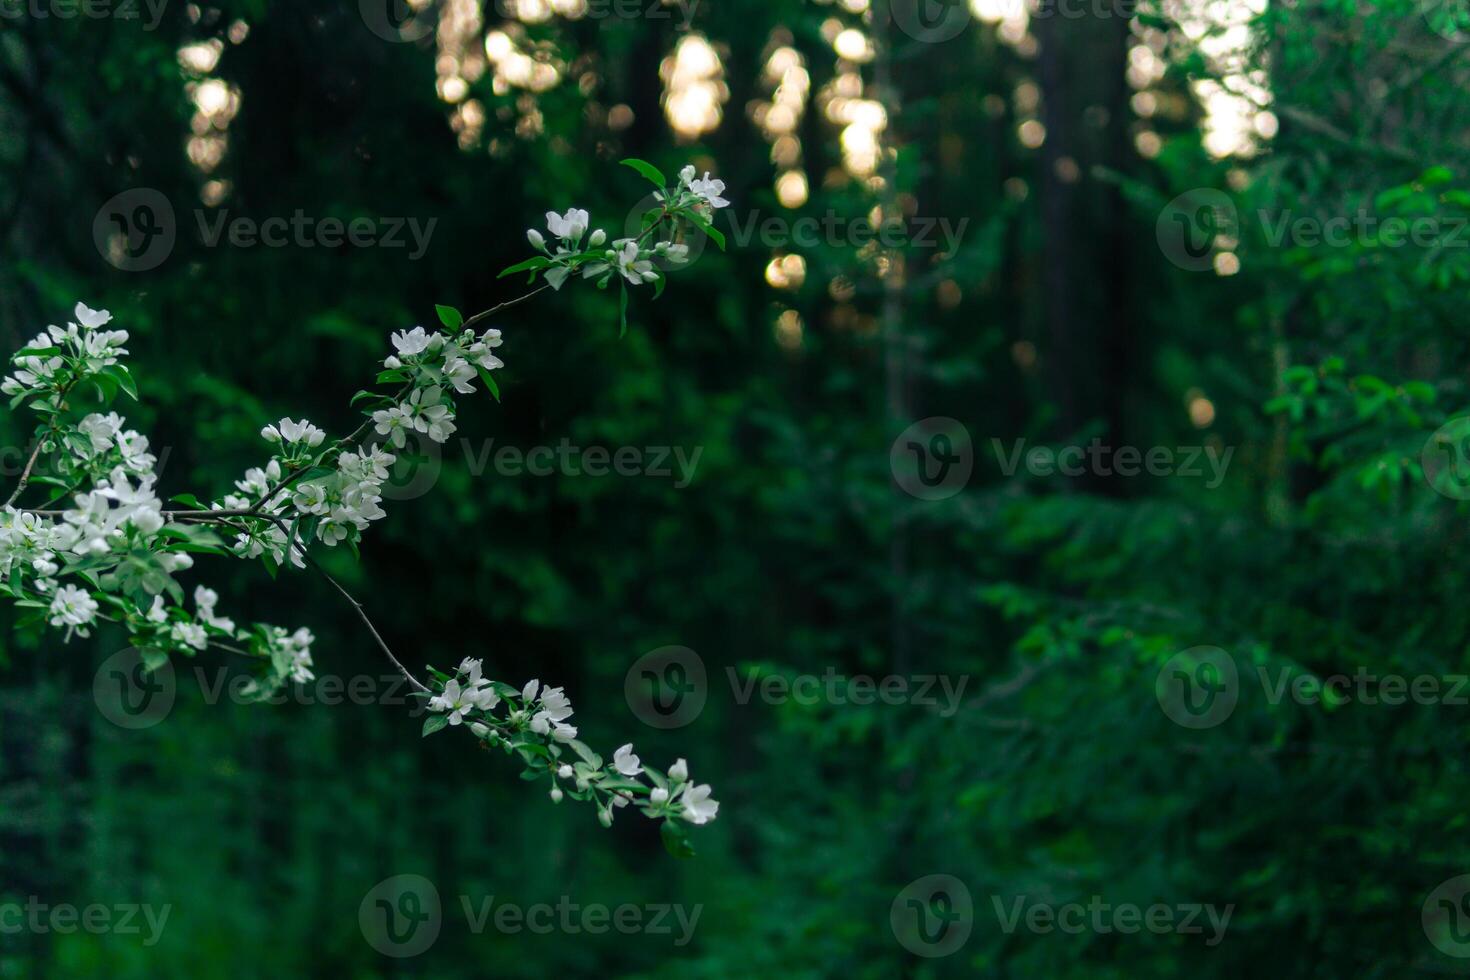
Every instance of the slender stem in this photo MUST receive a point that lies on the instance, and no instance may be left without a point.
(503, 306)
(25, 475)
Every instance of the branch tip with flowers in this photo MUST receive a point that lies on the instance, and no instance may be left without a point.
(114, 553)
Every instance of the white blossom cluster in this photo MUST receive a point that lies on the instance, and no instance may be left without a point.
(629, 258)
(335, 493)
(534, 725)
(103, 546)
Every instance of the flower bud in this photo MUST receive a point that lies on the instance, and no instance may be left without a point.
(659, 796)
(679, 771)
(391, 362)
(556, 794)
(565, 772)
(480, 729)
(598, 237)
(604, 817)
(535, 238)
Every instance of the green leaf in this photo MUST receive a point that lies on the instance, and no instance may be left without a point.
(490, 384)
(124, 379)
(188, 500)
(433, 723)
(676, 839)
(532, 264)
(654, 175)
(449, 316)
(715, 235)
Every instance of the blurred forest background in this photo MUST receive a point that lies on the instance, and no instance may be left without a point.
(1067, 310)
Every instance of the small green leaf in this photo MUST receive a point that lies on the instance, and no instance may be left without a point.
(654, 175)
(449, 316)
(715, 235)
(433, 723)
(490, 384)
(532, 264)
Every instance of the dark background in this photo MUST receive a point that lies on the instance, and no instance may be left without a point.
(1065, 314)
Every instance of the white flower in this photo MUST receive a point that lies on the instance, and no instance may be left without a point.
(634, 269)
(156, 613)
(293, 432)
(569, 227)
(74, 608)
(687, 175)
(563, 733)
(189, 634)
(658, 795)
(679, 771)
(459, 374)
(311, 498)
(698, 807)
(411, 342)
(710, 190)
(625, 762)
(459, 701)
(393, 423)
(528, 693)
(90, 319)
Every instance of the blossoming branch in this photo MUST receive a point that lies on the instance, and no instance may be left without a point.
(103, 547)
